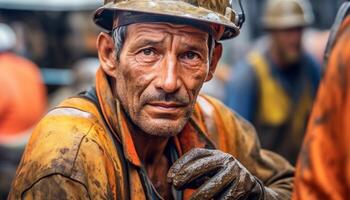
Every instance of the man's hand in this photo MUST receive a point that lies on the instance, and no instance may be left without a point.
(219, 175)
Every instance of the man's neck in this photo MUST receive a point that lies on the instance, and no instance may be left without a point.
(150, 149)
(151, 152)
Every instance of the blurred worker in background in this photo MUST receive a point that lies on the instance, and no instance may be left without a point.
(323, 170)
(22, 104)
(275, 85)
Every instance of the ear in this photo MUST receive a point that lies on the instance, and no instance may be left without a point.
(106, 54)
(217, 52)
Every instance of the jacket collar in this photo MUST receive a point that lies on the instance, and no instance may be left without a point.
(194, 134)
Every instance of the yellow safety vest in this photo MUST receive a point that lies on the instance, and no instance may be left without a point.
(276, 109)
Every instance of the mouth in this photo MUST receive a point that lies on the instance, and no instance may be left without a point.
(166, 105)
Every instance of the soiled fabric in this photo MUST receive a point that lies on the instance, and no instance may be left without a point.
(72, 150)
(323, 170)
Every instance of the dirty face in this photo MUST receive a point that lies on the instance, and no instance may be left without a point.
(287, 44)
(161, 69)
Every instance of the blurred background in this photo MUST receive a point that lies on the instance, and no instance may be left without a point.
(47, 53)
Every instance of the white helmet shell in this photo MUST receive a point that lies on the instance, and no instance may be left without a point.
(7, 38)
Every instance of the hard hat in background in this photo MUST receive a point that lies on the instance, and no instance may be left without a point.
(284, 14)
(7, 38)
(217, 13)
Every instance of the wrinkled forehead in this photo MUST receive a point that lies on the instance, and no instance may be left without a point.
(161, 29)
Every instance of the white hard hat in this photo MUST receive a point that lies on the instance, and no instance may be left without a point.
(284, 14)
(7, 38)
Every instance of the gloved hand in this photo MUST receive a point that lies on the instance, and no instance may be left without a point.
(219, 175)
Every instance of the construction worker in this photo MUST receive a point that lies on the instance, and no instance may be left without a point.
(144, 132)
(323, 170)
(22, 104)
(275, 85)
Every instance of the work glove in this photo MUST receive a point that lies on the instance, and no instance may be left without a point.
(216, 174)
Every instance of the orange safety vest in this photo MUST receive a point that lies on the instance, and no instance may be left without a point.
(84, 150)
(323, 170)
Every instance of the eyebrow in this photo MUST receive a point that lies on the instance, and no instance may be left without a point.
(196, 47)
(148, 42)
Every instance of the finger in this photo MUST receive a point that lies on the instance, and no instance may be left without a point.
(198, 168)
(186, 158)
(240, 188)
(216, 184)
(197, 182)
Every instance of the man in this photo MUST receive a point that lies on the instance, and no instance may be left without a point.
(323, 170)
(22, 104)
(275, 86)
(144, 133)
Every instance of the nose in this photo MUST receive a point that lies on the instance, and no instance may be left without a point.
(168, 77)
(294, 35)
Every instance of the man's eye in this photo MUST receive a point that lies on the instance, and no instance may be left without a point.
(148, 52)
(190, 55)
(147, 55)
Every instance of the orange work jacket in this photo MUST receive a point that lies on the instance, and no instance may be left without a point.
(72, 155)
(323, 170)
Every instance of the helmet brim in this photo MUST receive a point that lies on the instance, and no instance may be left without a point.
(285, 22)
(104, 15)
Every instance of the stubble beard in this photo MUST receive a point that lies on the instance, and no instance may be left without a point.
(157, 127)
(154, 127)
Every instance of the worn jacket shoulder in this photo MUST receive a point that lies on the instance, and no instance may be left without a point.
(55, 143)
(220, 122)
